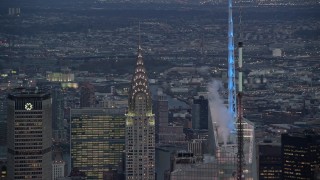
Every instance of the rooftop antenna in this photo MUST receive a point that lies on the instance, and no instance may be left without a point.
(139, 41)
(240, 154)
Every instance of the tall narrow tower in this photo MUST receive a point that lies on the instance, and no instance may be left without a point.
(231, 67)
(140, 127)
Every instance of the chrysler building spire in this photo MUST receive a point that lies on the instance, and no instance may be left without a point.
(139, 85)
(140, 126)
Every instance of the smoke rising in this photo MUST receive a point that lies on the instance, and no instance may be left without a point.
(219, 112)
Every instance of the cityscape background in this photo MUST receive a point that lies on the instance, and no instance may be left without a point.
(69, 70)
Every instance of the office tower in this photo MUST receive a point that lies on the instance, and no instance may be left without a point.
(269, 160)
(300, 153)
(29, 134)
(161, 109)
(97, 140)
(200, 113)
(140, 127)
(87, 96)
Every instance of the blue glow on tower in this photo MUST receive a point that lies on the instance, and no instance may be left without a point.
(231, 69)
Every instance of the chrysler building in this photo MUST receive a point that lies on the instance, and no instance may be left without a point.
(140, 127)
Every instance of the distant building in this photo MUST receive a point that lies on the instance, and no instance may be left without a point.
(87, 96)
(97, 140)
(171, 134)
(300, 153)
(277, 53)
(60, 77)
(185, 167)
(140, 127)
(58, 108)
(75, 174)
(200, 113)
(161, 110)
(58, 164)
(58, 169)
(3, 128)
(3, 141)
(29, 134)
(269, 164)
(59, 133)
(14, 11)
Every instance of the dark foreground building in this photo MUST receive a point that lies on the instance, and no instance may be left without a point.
(300, 155)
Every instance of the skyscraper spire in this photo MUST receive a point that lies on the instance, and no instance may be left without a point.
(140, 126)
(139, 42)
(139, 84)
(231, 67)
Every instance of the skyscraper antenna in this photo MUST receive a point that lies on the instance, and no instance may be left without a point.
(240, 23)
(139, 41)
(231, 66)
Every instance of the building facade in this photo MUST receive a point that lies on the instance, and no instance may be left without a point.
(200, 113)
(29, 135)
(3, 128)
(97, 140)
(58, 169)
(87, 96)
(300, 153)
(161, 110)
(140, 127)
(58, 164)
(59, 132)
(269, 160)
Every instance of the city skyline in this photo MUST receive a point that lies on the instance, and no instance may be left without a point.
(141, 89)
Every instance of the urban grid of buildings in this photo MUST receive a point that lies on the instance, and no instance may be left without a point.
(78, 100)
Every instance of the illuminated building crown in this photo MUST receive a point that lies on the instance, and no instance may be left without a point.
(139, 86)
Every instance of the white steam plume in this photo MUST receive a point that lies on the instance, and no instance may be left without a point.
(219, 112)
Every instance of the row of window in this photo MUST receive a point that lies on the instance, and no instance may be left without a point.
(26, 140)
(28, 136)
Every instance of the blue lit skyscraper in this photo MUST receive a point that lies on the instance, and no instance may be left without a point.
(231, 68)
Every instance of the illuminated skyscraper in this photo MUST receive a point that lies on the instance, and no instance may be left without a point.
(97, 140)
(140, 127)
(29, 135)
